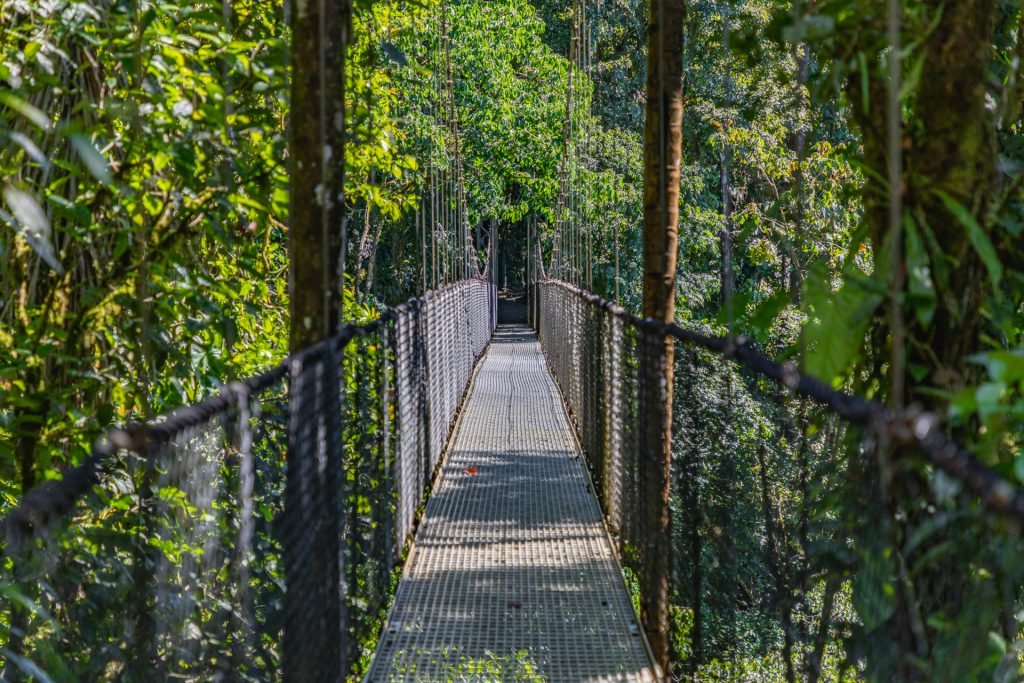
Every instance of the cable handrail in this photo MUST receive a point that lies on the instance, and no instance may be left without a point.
(909, 426)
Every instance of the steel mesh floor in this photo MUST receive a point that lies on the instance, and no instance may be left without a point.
(513, 577)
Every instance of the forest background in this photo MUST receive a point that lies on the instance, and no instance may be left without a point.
(143, 260)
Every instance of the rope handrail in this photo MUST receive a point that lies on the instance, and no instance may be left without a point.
(54, 498)
(911, 425)
(773, 501)
(255, 531)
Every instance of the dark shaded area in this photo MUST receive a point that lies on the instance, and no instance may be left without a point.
(512, 335)
(512, 308)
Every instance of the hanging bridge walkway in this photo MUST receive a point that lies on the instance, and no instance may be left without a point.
(260, 534)
(512, 568)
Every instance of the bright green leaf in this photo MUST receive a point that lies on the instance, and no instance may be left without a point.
(979, 238)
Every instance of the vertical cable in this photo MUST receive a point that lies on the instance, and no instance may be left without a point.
(894, 136)
(725, 159)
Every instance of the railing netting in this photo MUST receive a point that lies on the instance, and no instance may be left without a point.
(255, 533)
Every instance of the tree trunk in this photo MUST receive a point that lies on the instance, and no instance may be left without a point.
(28, 423)
(662, 152)
(316, 212)
(363, 251)
(728, 285)
(951, 149)
(801, 114)
(313, 629)
(781, 599)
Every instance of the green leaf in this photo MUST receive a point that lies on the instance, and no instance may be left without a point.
(1018, 468)
(104, 414)
(31, 149)
(27, 666)
(963, 404)
(1003, 366)
(739, 307)
(91, 157)
(767, 311)
(837, 323)
(75, 212)
(30, 112)
(31, 222)
(987, 396)
(874, 592)
(978, 237)
(918, 371)
(26, 603)
(920, 288)
(865, 81)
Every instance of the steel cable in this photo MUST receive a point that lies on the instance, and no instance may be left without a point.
(192, 518)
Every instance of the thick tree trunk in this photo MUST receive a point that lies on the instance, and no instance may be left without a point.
(951, 149)
(955, 152)
(662, 152)
(314, 644)
(316, 212)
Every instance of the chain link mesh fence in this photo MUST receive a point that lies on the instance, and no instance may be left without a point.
(814, 535)
(253, 536)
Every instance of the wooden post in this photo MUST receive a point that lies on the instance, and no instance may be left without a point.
(315, 647)
(662, 152)
(495, 254)
(316, 212)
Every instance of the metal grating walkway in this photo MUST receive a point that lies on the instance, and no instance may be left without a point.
(513, 577)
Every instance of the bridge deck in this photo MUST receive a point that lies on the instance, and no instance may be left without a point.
(513, 577)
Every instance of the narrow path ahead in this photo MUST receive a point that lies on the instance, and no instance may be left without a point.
(513, 577)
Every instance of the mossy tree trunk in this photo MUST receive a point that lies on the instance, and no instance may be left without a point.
(949, 178)
(315, 644)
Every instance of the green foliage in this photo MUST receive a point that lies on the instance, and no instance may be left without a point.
(145, 192)
(519, 667)
(979, 239)
(804, 153)
(837, 323)
(143, 263)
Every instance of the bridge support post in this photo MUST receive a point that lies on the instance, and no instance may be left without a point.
(315, 646)
(314, 631)
(662, 152)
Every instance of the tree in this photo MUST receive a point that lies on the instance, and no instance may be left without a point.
(316, 278)
(317, 152)
(662, 152)
(930, 101)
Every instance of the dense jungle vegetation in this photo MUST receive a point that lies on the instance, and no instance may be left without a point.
(144, 264)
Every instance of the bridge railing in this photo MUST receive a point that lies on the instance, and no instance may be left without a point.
(253, 536)
(814, 535)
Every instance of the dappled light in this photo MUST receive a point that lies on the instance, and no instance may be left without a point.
(577, 341)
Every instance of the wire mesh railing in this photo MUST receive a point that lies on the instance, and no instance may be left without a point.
(814, 535)
(253, 536)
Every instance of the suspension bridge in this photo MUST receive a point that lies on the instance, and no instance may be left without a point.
(468, 490)
(226, 559)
